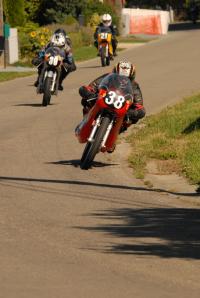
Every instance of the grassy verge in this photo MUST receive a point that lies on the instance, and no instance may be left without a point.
(172, 139)
(84, 53)
(5, 76)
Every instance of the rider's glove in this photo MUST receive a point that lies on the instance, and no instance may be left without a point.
(41, 54)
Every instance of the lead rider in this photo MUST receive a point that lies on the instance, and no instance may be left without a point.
(136, 111)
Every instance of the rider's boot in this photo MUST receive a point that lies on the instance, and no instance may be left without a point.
(111, 150)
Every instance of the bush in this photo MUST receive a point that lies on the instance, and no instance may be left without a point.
(96, 7)
(31, 39)
(95, 20)
(76, 38)
(70, 20)
(87, 35)
(68, 28)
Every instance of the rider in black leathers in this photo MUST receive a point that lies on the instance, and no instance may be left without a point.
(136, 110)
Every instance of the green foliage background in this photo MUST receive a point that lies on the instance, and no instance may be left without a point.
(14, 12)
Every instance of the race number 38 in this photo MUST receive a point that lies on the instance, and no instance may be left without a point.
(116, 100)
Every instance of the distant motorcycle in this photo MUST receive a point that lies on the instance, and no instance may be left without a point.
(101, 126)
(105, 45)
(194, 13)
(49, 77)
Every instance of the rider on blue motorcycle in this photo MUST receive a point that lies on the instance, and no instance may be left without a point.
(61, 40)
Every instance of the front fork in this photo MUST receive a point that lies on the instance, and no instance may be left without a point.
(97, 124)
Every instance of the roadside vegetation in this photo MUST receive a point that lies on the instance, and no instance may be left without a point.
(170, 138)
(6, 76)
(36, 23)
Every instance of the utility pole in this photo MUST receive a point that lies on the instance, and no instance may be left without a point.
(1, 34)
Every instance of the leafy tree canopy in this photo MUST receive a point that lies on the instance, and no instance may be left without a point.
(31, 9)
(56, 10)
(14, 12)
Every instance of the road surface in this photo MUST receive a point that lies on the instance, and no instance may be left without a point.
(65, 232)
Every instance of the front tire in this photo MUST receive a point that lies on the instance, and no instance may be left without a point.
(92, 148)
(47, 92)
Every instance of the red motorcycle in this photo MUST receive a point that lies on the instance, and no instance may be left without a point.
(101, 126)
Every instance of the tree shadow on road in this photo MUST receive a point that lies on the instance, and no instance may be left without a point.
(184, 26)
(163, 232)
(94, 184)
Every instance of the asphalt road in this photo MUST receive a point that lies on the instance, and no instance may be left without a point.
(65, 232)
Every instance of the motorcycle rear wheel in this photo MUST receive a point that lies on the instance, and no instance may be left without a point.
(108, 61)
(103, 56)
(47, 92)
(92, 148)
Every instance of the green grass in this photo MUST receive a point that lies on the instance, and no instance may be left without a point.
(171, 137)
(22, 63)
(85, 53)
(5, 76)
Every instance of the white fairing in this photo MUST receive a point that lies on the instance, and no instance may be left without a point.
(50, 74)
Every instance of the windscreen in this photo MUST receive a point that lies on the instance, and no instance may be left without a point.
(118, 83)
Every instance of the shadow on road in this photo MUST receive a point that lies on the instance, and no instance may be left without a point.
(76, 163)
(193, 126)
(184, 26)
(93, 184)
(164, 232)
(35, 105)
(94, 66)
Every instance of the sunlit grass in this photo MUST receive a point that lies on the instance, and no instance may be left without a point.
(172, 135)
(5, 76)
(85, 53)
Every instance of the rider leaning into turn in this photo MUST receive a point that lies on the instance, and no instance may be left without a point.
(107, 22)
(136, 110)
(61, 40)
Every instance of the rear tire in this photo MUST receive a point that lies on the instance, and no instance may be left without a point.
(92, 148)
(47, 92)
(108, 61)
(103, 56)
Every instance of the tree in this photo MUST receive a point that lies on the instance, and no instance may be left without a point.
(56, 10)
(95, 6)
(14, 12)
(32, 8)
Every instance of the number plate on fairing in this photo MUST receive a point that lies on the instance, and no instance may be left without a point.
(115, 100)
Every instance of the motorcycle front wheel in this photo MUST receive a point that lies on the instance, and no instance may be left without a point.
(92, 148)
(47, 92)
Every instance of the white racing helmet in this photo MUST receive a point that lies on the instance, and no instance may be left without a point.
(126, 69)
(58, 40)
(106, 19)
